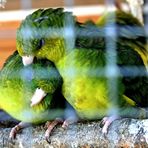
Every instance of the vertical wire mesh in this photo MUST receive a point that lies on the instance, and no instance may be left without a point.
(69, 36)
(26, 4)
(111, 69)
(111, 58)
(27, 73)
(69, 27)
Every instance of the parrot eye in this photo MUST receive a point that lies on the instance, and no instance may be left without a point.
(41, 43)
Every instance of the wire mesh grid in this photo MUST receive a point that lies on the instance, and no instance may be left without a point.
(110, 34)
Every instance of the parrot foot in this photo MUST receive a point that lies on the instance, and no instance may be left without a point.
(37, 97)
(106, 122)
(50, 127)
(16, 129)
(67, 122)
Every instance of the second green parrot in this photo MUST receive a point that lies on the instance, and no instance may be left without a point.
(93, 86)
(17, 86)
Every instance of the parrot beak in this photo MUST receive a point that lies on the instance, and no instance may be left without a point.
(27, 60)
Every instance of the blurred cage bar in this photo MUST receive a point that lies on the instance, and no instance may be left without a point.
(93, 9)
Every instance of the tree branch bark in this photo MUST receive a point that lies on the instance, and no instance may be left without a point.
(125, 133)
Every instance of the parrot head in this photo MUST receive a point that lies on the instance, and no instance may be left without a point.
(41, 34)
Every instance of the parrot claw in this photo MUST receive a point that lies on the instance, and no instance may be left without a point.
(16, 129)
(37, 97)
(106, 122)
(67, 122)
(50, 127)
(13, 132)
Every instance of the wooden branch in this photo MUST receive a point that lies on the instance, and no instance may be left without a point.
(125, 133)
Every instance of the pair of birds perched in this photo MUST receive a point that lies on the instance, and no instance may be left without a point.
(80, 64)
(82, 67)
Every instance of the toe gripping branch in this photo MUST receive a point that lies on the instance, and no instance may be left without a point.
(17, 128)
(50, 127)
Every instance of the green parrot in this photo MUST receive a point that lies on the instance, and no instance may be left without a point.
(18, 84)
(131, 30)
(95, 83)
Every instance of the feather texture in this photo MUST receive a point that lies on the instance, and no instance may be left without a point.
(83, 63)
(18, 83)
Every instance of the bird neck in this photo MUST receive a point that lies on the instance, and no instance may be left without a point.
(56, 50)
(55, 55)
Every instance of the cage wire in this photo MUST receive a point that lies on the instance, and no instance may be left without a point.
(111, 67)
(111, 70)
(26, 4)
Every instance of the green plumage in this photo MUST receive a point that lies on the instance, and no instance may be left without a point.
(129, 31)
(83, 66)
(18, 84)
